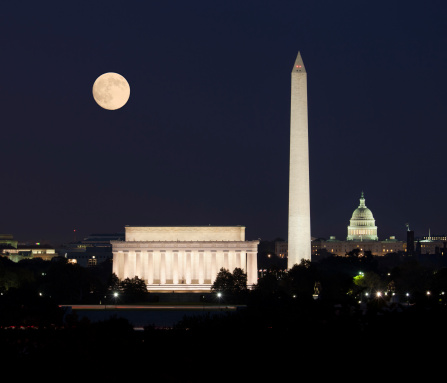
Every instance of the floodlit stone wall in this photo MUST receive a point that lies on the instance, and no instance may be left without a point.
(185, 233)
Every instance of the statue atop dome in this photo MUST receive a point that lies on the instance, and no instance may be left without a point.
(362, 225)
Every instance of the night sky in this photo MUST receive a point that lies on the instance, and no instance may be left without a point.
(204, 138)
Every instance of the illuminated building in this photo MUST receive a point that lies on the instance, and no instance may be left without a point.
(183, 258)
(334, 246)
(30, 252)
(362, 225)
(432, 245)
(362, 236)
(281, 249)
(91, 250)
(430, 237)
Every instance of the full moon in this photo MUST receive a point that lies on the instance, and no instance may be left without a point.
(111, 91)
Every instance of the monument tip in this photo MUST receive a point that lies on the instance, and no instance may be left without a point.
(299, 65)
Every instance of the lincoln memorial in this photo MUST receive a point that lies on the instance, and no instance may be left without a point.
(183, 258)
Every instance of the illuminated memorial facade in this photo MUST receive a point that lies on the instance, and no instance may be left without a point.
(183, 258)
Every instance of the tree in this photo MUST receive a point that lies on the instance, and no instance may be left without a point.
(239, 281)
(114, 282)
(232, 285)
(369, 281)
(134, 289)
(66, 282)
(268, 285)
(300, 279)
(223, 282)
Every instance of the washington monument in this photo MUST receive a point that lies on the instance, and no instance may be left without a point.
(299, 200)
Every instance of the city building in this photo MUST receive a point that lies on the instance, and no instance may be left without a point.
(431, 246)
(10, 248)
(183, 258)
(362, 226)
(437, 237)
(362, 237)
(281, 249)
(91, 250)
(45, 252)
(7, 240)
(339, 247)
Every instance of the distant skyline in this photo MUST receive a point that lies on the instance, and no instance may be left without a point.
(204, 137)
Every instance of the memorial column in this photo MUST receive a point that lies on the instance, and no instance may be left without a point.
(138, 272)
(252, 268)
(213, 269)
(175, 258)
(125, 264)
(188, 267)
(150, 267)
(162, 267)
(201, 268)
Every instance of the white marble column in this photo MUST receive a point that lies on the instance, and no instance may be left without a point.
(168, 266)
(230, 261)
(126, 264)
(162, 267)
(237, 259)
(143, 262)
(175, 263)
(213, 270)
(150, 267)
(117, 262)
(138, 268)
(201, 268)
(226, 261)
(188, 267)
(132, 263)
(252, 268)
(244, 261)
(208, 276)
(195, 267)
(181, 267)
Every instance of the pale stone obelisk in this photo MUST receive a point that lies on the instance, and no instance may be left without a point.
(299, 200)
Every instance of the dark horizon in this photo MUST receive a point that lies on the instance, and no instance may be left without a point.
(204, 138)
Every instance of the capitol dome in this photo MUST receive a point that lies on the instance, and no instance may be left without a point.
(362, 226)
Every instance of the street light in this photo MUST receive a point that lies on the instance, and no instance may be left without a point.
(219, 296)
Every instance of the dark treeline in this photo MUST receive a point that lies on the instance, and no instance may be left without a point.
(339, 307)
